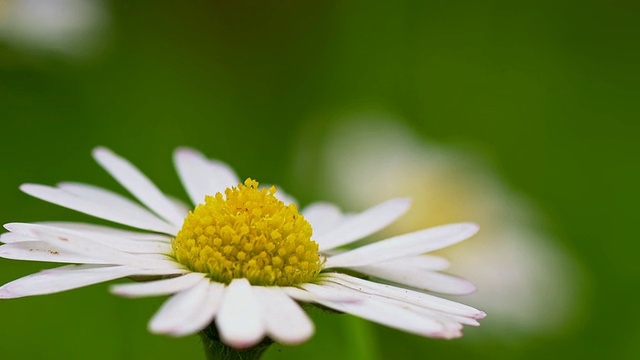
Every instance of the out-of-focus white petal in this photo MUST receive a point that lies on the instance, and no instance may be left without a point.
(134, 216)
(323, 217)
(404, 245)
(240, 319)
(363, 224)
(285, 321)
(283, 196)
(138, 184)
(158, 287)
(201, 176)
(422, 262)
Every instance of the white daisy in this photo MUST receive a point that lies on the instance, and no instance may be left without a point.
(243, 258)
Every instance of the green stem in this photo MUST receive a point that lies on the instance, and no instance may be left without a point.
(215, 349)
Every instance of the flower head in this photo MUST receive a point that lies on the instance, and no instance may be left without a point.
(243, 258)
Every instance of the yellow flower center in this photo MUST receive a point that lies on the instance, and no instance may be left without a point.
(248, 233)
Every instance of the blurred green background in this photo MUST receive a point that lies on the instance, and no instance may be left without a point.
(546, 92)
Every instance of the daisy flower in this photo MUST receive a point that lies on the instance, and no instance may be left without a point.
(243, 259)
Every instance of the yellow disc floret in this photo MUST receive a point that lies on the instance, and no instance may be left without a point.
(248, 233)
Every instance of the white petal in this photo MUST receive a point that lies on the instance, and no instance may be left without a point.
(206, 313)
(201, 176)
(421, 279)
(138, 184)
(448, 318)
(392, 316)
(323, 217)
(285, 321)
(158, 287)
(284, 197)
(240, 320)
(41, 251)
(409, 296)
(363, 224)
(404, 245)
(99, 229)
(100, 195)
(180, 308)
(9, 238)
(312, 292)
(113, 241)
(422, 262)
(181, 206)
(161, 272)
(449, 321)
(62, 279)
(76, 243)
(425, 262)
(134, 216)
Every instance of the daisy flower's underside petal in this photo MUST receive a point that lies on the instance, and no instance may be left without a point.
(409, 296)
(421, 279)
(180, 309)
(42, 251)
(201, 176)
(363, 224)
(285, 321)
(102, 230)
(323, 217)
(132, 215)
(138, 184)
(64, 278)
(240, 320)
(404, 245)
(158, 287)
(117, 242)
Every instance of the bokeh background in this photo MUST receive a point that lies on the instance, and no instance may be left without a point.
(520, 116)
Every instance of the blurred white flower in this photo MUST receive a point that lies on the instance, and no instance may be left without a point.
(69, 27)
(525, 280)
